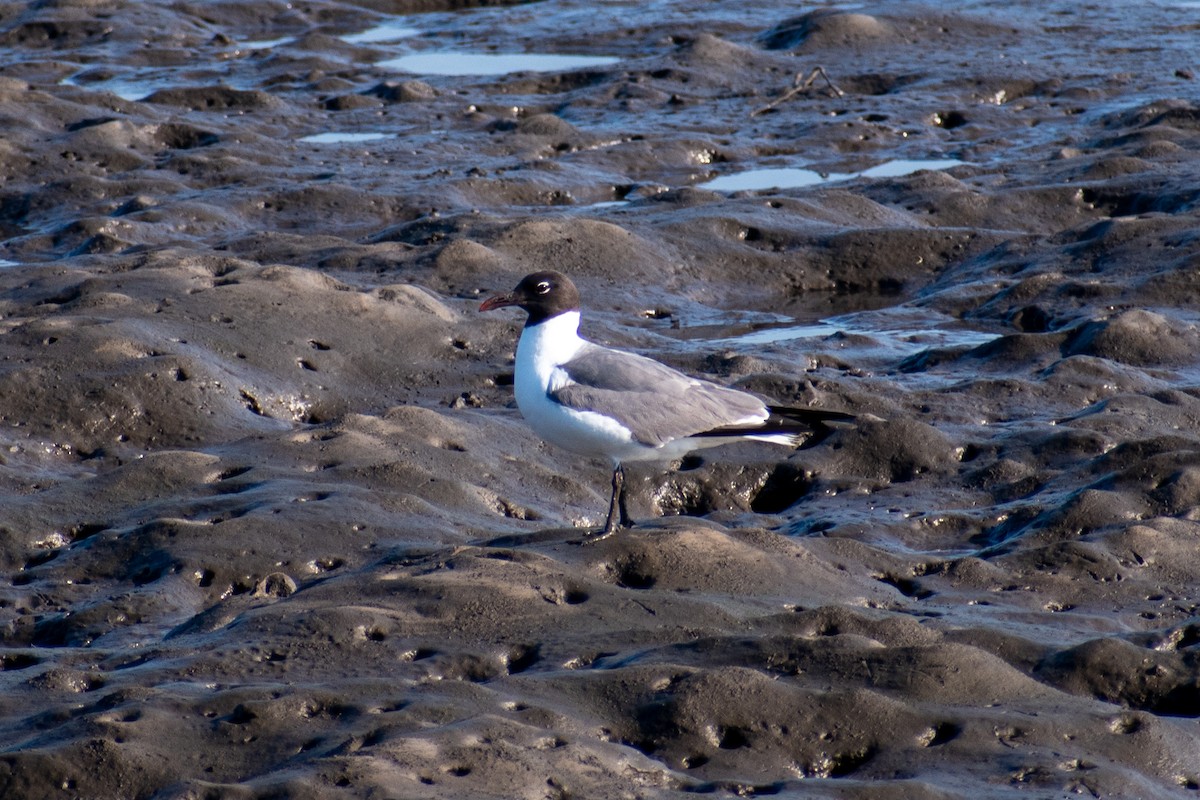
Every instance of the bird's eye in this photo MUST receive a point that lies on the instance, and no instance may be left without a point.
(543, 287)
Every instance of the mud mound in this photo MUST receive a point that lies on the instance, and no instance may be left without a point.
(826, 28)
(1141, 338)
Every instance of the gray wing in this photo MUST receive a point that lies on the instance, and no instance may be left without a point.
(656, 403)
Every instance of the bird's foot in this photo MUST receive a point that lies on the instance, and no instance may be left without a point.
(594, 537)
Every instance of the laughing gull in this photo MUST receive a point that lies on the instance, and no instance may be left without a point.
(612, 404)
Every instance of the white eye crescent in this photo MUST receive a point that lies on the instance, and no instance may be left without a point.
(543, 287)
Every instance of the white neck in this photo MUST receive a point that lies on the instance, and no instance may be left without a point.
(546, 345)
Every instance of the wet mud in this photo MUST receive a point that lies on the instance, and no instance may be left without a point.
(271, 524)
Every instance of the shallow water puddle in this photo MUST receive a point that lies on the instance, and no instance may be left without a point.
(392, 30)
(264, 44)
(138, 85)
(898, 330)
(459, 64)
(603, 204)
(770, 178)
(337, 137)
(795, 177)
(131, 89)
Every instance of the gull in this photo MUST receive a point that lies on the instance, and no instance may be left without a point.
(624, 407)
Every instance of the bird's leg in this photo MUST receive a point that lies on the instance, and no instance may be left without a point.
(618, 517)
(626, 520)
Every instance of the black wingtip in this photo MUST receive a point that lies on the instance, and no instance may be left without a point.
(811, 423)
(810, 416)
(815, 419)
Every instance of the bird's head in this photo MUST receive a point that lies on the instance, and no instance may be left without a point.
(541, 295)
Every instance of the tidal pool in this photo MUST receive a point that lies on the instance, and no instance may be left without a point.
(491, 63)
(753, 180)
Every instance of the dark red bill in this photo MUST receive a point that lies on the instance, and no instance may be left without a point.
(499, 301)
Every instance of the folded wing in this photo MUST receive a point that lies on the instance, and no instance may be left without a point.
(656, 403)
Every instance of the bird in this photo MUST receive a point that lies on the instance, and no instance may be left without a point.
(612, 404)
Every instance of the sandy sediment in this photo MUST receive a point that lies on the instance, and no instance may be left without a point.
(272, 526)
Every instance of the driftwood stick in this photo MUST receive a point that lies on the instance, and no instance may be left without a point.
(800, 86)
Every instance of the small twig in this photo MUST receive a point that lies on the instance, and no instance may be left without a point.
(798, 87)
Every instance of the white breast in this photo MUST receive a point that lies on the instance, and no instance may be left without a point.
(542, 348)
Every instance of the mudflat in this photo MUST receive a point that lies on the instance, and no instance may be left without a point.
(272, 526)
